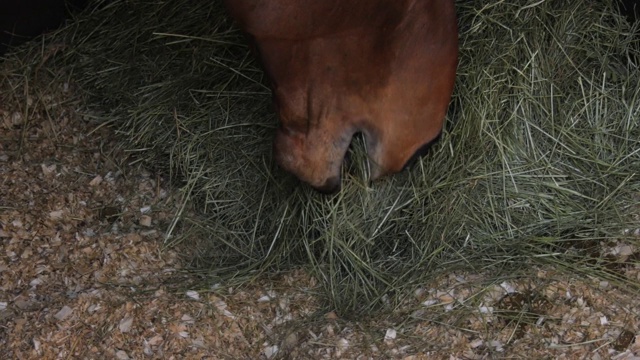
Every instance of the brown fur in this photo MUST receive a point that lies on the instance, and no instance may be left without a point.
(385, 68)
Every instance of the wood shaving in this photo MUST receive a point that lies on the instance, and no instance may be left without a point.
(83, 274)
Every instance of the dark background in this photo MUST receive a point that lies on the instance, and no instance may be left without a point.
(21, 20)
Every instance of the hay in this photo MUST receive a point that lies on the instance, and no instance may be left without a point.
(539, 163)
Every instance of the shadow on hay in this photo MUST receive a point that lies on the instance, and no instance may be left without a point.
(540, 149)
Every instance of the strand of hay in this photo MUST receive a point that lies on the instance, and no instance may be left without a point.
(539, 163)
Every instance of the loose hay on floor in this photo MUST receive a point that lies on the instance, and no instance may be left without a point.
(538, 169)
(539, 158)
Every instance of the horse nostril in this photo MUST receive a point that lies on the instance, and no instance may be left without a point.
(331, 186)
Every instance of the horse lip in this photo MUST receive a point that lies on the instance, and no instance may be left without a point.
(331, 186)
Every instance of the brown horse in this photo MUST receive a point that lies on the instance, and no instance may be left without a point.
(385, 68)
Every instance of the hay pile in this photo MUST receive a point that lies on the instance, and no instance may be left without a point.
(539, 163)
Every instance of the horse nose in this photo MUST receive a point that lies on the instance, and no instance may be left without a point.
(331, 186)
